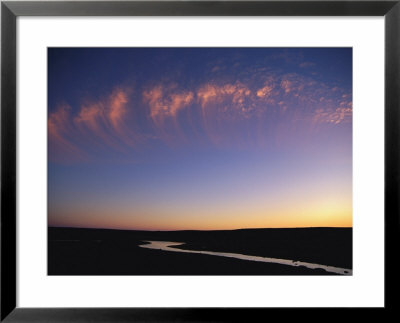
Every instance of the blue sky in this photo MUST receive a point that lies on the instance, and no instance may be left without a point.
(200, 138)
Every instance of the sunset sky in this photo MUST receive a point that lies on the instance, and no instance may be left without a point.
(199, 138)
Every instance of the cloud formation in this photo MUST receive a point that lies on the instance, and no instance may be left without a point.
(164, 106)
(227, 113)
(105, 120)
(342, 114)
(165, 103)
(94, 125)
(60, 130)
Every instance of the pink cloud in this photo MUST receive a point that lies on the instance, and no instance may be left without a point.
(286, 86)
(91, 116)
(233, 94)
(342, 114)
(208, 93)
(93, 121)
(223, 109)
(118, 114)
(180, 101)
(59, 129)
(117, 109)
(295, 84)
(228, 113)
(265, 91)
(105, 120)
(95, 124)
(165, 103)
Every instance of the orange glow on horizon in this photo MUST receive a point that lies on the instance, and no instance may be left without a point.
(305, 217)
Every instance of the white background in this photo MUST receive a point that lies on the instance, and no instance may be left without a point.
(364, 288)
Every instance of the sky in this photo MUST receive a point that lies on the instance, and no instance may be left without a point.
(199, 138)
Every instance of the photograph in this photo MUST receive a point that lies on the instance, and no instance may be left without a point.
(199, 161)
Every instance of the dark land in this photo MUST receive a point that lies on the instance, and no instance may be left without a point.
(75, 251)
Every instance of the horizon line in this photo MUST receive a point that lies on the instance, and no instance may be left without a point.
(116, 229)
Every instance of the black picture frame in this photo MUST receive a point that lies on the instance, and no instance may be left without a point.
(10, 10)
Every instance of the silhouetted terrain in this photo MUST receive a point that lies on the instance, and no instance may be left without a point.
(73, 251)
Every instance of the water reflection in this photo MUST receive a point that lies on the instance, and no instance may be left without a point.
(168, 246)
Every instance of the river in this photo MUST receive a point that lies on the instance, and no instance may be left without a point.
(169, 246)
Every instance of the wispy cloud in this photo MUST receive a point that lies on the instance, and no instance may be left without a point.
(265, 91)
(105, 120)
(223, 107)
(118, 114)
(227, 113)
(95, 124)
(211, 93)
(60, 129)
(164, 105)
(164, 102)
(342, 114)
